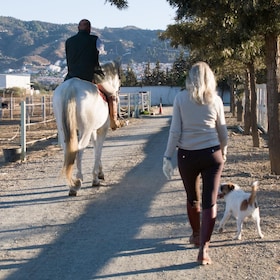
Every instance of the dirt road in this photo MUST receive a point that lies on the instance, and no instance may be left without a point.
(134, 226)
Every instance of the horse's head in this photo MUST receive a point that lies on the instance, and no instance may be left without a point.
(111, 79)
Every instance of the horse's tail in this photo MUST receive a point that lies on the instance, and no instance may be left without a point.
(69, 121)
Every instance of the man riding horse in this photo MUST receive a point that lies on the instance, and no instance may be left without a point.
(82, 56)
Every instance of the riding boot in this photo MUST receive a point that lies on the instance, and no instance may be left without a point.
(113, 110)
(194, 219)
(207, 226)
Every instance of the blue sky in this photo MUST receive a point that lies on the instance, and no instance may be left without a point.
(145, 14)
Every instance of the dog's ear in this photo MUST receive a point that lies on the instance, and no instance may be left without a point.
(231, 186)
(226, 188)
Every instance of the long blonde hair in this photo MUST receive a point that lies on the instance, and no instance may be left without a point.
(201, 83)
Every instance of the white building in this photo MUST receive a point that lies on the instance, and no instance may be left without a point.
(14, 80)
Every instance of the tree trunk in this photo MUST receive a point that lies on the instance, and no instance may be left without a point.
(232, 99)
(273, 84)
(254, 125)
(239, 110)
(247, 109)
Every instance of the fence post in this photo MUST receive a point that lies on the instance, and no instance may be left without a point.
(11, 107)
(23, 130)
(32, 106)
(28, 109)
(136, 105)
(50, 104)
(128, 105)
(1, 108)
(44, 108)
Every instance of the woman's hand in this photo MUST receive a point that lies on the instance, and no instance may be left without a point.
(167, 168)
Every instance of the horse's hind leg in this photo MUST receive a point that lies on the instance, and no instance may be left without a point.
(98, 138)
(100, 173)
(75, 186)
(97, 160)
(76, 183)
(79, 164)
(97, 174)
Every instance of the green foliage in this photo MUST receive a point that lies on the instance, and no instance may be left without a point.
(154, 76)
(179, 71)
(120, 4)
(147, 79)
(175, 76)
(14, 91)
(228, 35)
(128, 78)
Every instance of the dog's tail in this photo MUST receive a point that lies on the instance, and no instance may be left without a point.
(253, 195)
(252, 198)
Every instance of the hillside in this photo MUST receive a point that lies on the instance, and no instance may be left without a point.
(37, 44)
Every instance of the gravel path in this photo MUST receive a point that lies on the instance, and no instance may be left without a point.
(134, 226)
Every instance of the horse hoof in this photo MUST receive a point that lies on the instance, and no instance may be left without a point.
(78, 183)
(72, 193)
(101, 176)
(95, 184)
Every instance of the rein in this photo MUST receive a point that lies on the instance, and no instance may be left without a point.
(102, 94)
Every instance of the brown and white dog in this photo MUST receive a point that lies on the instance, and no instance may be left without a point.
(240, 205)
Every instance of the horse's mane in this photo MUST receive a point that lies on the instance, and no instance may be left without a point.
(110, 69)
(111, 66)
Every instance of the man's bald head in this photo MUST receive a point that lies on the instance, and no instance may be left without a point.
(84, 25)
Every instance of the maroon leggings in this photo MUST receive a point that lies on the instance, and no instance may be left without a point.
(209, 164)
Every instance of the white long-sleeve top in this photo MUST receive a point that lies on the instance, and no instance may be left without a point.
(195, 126)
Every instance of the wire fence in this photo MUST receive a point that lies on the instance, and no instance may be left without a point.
(26, 121)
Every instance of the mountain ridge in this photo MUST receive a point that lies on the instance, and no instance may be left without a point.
(38, 44)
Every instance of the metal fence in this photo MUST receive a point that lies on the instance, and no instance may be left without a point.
(134, 104)
(38, 107)
(25, 121)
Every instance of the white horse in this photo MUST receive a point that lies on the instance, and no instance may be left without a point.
(82, 113)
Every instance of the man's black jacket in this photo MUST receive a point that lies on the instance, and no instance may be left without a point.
(82, 56)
